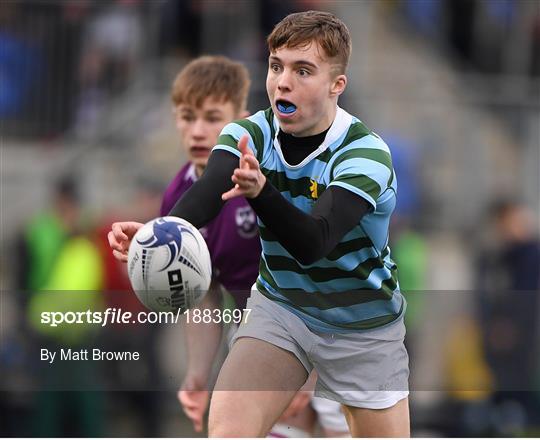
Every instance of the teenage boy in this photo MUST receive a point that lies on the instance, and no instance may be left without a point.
(210, 92)
(327, 297)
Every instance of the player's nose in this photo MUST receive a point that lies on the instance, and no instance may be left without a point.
(198, 129)
(285, 81)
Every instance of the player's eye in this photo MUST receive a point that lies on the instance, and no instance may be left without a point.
(303, 72)
(187, 117)
(275, 67)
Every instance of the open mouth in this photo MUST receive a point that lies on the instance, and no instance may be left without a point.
(285, 107)
(198, 151)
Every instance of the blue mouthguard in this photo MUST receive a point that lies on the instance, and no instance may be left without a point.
(286, 108)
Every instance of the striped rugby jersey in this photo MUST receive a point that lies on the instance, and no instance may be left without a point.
(355, 286)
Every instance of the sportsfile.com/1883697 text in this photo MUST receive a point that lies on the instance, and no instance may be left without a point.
(118, 316)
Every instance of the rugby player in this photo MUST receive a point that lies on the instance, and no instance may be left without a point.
(327, 297)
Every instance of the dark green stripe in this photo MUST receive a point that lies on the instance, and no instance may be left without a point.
(360, 181)
(269, 115)
(391, 179)
(373, 322)
(376, 155)
(339, 251)
(256, 134)
(325, 301)
(324, 274)
(266, 275)
(227, 139)
(347, 247)
(296, 187)
(356, 131)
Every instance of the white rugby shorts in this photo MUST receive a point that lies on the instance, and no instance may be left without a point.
(365, 369)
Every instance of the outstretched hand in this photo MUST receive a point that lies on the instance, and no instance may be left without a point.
(120, 237)
(248, 178)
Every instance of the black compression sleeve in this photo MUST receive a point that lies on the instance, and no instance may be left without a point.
(202, 202)
(310, 237)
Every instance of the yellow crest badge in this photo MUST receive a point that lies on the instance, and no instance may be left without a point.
(313, 188)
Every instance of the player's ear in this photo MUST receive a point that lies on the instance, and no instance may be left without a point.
(338, 85)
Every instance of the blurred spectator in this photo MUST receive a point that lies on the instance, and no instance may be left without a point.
(180, 28)
(111, 45)
(468, 380)
(45, 234)
(20, 61)
(60, 270)
(424, 15)
(39, 43)
(509, 305)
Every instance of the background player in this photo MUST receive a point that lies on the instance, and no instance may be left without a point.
(206, 95)
(326, 273)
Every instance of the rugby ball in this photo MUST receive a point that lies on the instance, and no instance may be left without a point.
(169, 265)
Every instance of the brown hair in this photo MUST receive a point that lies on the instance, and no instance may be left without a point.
(214, 76)
(300, 29)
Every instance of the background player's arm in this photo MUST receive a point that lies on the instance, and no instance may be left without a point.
(202, 342)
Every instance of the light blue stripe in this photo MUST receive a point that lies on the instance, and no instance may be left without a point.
(301, 202)
(227, 148)
(370, 141)
(234, 130)
(259, 119)
(354, 233)
(273, 248)
(371, 168)
(346, 262)
(358, 312)
(237, 131)
(271, 289)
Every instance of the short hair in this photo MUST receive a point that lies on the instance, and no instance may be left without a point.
(301, 28)
(212, 76)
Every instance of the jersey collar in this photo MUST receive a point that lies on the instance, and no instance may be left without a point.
(341, 123)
